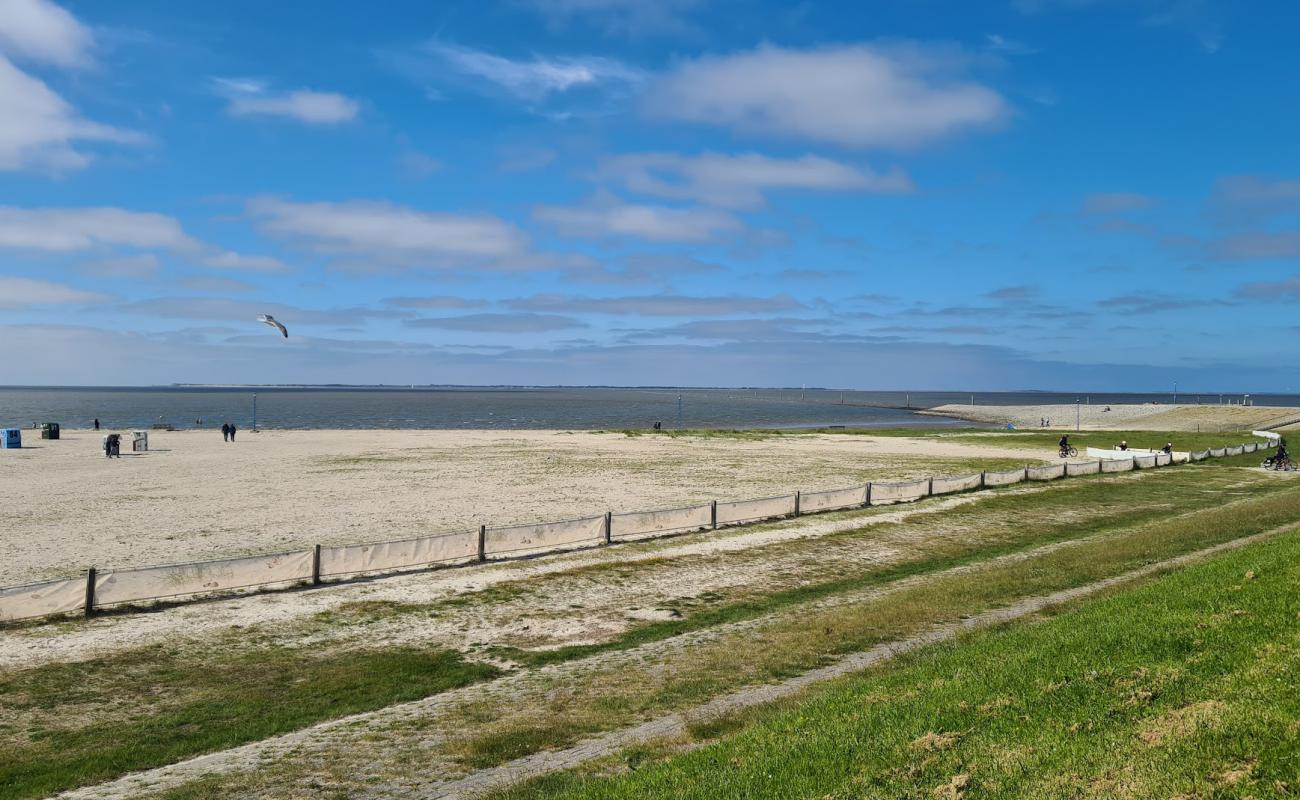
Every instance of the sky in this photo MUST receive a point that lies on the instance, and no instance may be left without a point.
(1014, 194)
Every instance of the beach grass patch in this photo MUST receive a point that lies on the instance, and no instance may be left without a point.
(1188, 686)
(172, 704)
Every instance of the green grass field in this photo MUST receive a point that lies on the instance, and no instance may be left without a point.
(1186, 687)
(807, 600)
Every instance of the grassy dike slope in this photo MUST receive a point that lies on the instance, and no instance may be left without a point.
(1186, 687)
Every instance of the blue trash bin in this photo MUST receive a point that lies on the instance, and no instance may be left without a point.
(11, 439)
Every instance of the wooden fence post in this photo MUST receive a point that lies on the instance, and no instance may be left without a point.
(609, 526)
(984, 478)
(929, 487)
(482, 543)
(1026, 472)
(90, 591)
(315, 566)
(797, 494)
(867, 502)
(713, 514)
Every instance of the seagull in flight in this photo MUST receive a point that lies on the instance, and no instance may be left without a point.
(267, 319)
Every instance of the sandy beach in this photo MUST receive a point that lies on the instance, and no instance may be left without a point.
(195, 497)
(1146, 417)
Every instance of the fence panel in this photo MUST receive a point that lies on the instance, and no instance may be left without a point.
(1050, 472)
(1218, 452)
(899, 492)
(1144, 462)
(644, 524)
(203, 577)
(1233, 451)
(1164, 459)
(42, 599)
(1005, 478)
(1250, 447)
(740, 511)
(1082, 468)
(953, 485)
(1117, 465)
(832, 500)
(442, 548)
(543, 537)
(1199, 455)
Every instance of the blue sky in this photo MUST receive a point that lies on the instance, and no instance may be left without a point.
(1057, 194)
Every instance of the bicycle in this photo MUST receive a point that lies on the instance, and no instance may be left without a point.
(1279, 464)
(1069, 451)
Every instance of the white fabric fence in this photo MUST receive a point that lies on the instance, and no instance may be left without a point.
(543, 537)
(1082, 468)
(203, 577)
(42, 599)
(647, 524)
(954, 485)
(1005, 478)
(899, 492)
(833, 500)
(1046, 473)
(752, 510)
(354, 559)
(115, 587)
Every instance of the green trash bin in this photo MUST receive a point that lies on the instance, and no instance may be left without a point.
(50, 430)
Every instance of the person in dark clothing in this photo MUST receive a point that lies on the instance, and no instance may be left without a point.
(96, 423)
(1168, 448)
(225, 431)
(113, 445)
(232, 432)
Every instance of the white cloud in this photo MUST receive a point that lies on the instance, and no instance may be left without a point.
(619, 16)
(224, 259)
(251, 97)
(661, 305)
(739, 181)
(140, 265)
(857, 96)
(38, 128)
(499, 323)
(66, 230)
(76, 230)
(440, 301)
(39, 30)
(538, 78)
(23, 292)
(304, 105)
(608, 218)
(389, 233)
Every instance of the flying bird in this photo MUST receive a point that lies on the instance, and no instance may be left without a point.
(267, 319)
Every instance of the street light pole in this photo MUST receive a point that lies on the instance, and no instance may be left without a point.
(254, 412)
(1077, 411)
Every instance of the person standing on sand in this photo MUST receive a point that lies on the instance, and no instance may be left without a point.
(96, 423)
(225, 431)
(232, 432)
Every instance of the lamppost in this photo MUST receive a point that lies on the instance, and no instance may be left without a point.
(254, 412)
(1077, 410)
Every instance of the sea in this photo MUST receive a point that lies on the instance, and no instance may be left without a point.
(558, 408)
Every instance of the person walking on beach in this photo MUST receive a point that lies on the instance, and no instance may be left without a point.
(96, 423)
(232, 432)
(225, 431)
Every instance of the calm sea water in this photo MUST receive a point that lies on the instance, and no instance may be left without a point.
(553, 408)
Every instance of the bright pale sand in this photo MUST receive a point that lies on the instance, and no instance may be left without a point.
(1146, 417)
(195, 497)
